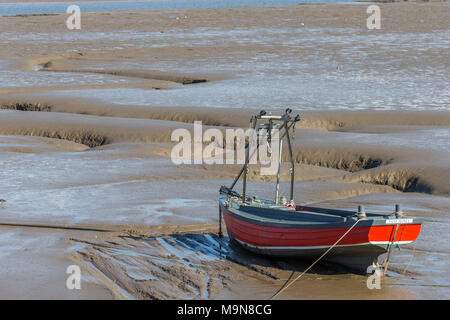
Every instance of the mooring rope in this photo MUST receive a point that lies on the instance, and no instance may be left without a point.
(286, 285)
(412, 257)
(391, 245)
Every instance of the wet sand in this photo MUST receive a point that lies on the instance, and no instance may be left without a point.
(88, 177)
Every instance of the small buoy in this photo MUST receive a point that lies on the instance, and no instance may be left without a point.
(2, 201)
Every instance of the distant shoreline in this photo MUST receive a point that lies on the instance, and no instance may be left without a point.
(68, 1)
(77, 1)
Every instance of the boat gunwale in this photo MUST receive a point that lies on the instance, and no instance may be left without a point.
(373, 220)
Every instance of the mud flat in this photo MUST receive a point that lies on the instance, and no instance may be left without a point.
(85, 143)
(129, 183)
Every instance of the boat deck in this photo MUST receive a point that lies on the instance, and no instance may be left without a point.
(266, 211)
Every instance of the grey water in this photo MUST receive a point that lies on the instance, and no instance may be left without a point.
(8, 9)
(319, 80)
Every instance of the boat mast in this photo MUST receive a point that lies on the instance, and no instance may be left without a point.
(288, 124)
(247, 156)
(261, 113)
(291, 197)
(277, 192)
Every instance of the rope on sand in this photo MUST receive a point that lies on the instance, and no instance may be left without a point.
(412, 257)
(286, 285)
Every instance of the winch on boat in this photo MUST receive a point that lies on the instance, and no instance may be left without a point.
(281, 228)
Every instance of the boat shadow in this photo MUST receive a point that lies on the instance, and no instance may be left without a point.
(216, 247)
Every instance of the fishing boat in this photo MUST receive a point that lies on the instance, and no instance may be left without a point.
(281, 228)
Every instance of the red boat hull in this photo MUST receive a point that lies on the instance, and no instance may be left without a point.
(361, 246)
